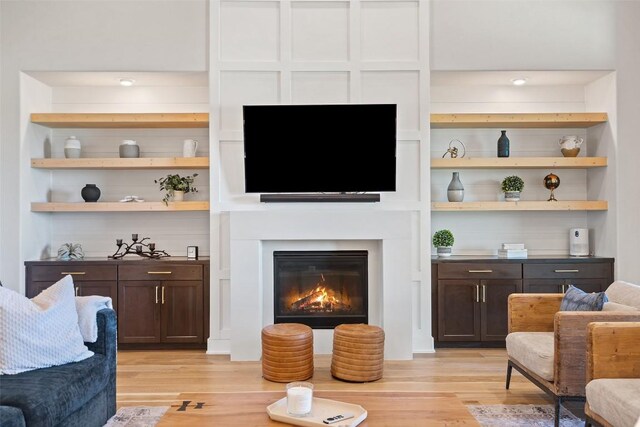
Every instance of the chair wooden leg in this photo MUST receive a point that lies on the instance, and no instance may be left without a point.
(556, 420)
(509, 369)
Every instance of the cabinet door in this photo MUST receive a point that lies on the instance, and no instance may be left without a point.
(588, 285)
(494, 307)
(182, 303)
(139, 311)
(458, 310)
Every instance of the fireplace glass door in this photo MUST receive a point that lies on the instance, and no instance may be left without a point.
(321, 289)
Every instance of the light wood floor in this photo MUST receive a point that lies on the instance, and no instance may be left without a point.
(476, 376)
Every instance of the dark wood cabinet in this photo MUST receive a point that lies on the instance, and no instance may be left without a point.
(494, 297)
(473, 307)
(459, 314)
(181, 312)
(158, 302)
(470, 294)
(139, 311)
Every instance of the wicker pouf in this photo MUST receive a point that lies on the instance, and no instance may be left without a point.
(287, 352)
(358, 353)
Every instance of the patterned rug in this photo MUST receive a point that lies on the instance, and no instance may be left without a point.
(137, 416)
(487, 416)
(521, 415)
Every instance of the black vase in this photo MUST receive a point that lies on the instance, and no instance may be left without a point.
(503, 145)
(90, 193)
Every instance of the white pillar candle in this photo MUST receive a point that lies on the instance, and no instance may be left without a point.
(299, 398)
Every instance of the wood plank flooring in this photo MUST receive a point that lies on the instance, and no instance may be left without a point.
(476, 376)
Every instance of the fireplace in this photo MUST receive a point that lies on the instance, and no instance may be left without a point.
(321, 289)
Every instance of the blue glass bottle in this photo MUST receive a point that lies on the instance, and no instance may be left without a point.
(503, 145)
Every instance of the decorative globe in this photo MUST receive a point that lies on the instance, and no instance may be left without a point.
(551, 181)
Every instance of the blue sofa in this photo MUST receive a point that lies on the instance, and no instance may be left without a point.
(81, 394)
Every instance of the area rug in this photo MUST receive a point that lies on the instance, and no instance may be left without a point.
(137, 416)
(521, 415)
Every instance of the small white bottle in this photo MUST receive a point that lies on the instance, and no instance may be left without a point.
(72, 148)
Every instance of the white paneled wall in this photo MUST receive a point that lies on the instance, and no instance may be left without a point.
(319, 52)
(171, 231)
(480, 233)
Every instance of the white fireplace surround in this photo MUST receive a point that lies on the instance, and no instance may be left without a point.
(254, 237)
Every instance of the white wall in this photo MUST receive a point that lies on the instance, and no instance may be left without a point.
(628, 110)
(523, 34)
(83, 36)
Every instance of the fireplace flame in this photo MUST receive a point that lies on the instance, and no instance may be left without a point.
(320, 298)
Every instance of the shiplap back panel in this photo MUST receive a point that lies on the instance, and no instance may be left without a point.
(171, 231)
(481, 233)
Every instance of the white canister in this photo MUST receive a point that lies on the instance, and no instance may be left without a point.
(189, 148)
(72, 148)
(129, 149)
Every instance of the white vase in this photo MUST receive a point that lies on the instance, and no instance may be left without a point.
(178, 196)
(444, 251)
(511, 196)
(72, 148)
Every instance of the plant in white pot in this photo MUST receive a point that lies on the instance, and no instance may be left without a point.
(443, 241)
(176, 186)
(512, 186)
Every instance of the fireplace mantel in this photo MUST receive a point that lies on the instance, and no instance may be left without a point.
(251, 232)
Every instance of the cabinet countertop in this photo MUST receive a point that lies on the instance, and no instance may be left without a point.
(105, 260)
(537, 259)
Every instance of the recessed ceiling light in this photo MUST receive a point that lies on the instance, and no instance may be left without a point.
(519, 81)
(127, 82)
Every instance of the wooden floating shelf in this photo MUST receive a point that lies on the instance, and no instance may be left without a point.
(118, 163)
(569, 205)
(120, 207)
(121, 120)
(519, 163)
(517, 120)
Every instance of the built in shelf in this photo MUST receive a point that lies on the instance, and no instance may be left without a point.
(120, 207)
(118, 163)
(517, 120)
(525, 205)
(519, 163)
(121, 120)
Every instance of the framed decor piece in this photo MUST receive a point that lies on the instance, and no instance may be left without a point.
(192, 252)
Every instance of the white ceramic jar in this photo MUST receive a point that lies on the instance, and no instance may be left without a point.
(72, 148)
(129, 149)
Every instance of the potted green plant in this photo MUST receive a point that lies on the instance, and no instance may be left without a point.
(443, 241)
(176, 186)
(512, 186)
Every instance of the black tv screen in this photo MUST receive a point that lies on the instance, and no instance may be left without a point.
(319, 148)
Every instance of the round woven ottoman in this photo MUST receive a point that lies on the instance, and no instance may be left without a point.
(287, 352)
(358, 353)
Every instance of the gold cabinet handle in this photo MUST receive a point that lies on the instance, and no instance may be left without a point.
(156, 294)
(79, 273)
(484, 293)
(158, 272)
(77, 290)
(477, 293)
(566, 271)
(163, 294)
(480, 271)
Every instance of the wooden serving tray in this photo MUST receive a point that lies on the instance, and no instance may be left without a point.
(320, 410)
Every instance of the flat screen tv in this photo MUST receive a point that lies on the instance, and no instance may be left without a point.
(319, 148)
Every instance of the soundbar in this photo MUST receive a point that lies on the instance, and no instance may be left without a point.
(315, 198)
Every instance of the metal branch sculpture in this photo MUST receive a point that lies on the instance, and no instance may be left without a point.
(137, 247)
